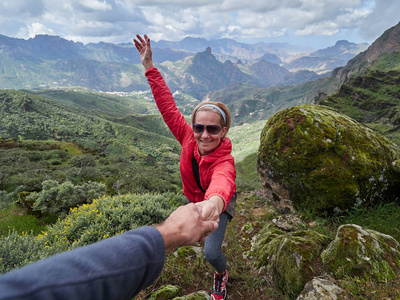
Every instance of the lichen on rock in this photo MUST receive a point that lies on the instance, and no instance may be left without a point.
(361, 252)
(185, 251)
(166, 292)
(292, 257)
(321, 288)
(200, 295)
(312, 157)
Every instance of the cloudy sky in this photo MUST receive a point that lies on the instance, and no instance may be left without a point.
(316, 23)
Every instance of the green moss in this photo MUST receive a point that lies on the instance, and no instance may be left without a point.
(197, 296)
(290, 256)
(268, 239)
(364, 253)
(194, 296)
(166, 292)
(294, 259)
(326, 159)
(186, 251)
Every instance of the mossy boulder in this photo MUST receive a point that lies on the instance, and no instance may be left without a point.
(294, 258)
(364, 253)
(201, 295)
(185, 251)
(166, 292)
(313, 157)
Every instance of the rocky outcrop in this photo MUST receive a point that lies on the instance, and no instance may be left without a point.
(306, 264)
(173, 292)
(362, 252)
(166, 292)
(312, 157)
(322, 289)
(292, 257)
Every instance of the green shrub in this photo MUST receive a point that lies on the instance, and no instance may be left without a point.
(58, 198)
(6, 199)
(81, 161)
(18, 250)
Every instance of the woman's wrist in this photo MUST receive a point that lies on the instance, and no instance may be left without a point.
(148, 64)
(219, 202)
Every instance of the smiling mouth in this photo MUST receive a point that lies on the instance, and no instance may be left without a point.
(206, 142)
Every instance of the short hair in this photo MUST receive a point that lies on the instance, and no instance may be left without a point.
(222, 106)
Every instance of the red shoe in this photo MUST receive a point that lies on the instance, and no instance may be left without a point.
(219, 291)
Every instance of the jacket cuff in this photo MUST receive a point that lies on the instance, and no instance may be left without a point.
(150, 70)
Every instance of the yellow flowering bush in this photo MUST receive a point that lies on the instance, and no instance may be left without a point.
(104, 217)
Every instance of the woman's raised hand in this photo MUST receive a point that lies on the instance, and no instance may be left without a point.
(144, 48)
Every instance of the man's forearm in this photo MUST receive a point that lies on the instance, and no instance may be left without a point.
(115, 268)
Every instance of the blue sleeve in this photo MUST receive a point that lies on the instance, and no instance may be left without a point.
(114, 268)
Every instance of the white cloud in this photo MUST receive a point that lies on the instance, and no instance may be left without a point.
(21, 8)
(175, 25)
(259, 6)
(38, 28)
(384, 15)
(96, 5)
(175, 3)
(323, 28)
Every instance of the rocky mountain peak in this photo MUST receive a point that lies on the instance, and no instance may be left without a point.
(387, 43)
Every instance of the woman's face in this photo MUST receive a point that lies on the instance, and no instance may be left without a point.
(206, 141)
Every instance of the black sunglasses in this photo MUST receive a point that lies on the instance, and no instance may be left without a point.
(211, 129)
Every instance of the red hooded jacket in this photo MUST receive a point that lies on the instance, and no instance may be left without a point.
(217, 169)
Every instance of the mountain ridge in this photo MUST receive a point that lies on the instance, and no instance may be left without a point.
(51, 61)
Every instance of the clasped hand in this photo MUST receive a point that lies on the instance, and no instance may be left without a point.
(186, 226)
(210, 210)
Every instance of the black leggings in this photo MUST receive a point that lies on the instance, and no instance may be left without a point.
(213, 243)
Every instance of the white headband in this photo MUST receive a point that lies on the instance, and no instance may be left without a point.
(213, 106)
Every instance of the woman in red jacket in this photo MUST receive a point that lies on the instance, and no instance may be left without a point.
(205, 155)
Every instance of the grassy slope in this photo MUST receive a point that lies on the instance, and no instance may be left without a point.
(373, 100)
(106, 104)
(27, 116)
(245, 142)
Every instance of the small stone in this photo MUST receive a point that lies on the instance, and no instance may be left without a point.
(320, 288)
